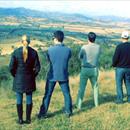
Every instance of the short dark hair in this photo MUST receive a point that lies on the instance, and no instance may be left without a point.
(91, 36)
(59, 35)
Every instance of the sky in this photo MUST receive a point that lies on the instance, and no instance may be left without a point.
(93, 7)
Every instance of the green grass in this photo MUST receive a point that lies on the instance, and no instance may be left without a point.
(107, 116)
(4, 60)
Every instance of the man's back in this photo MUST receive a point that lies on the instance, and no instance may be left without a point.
(121, 57)
(59, 56)
(90, 55)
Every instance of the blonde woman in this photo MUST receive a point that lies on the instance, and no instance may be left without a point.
(24, 67)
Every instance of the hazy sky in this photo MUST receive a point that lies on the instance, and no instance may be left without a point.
(95, 7)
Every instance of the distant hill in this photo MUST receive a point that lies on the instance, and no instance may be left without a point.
(59, 16)
(113, 18)
(56, 16)
(20, 12)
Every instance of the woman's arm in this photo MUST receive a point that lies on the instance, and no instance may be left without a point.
(37, 65)
(13, 65)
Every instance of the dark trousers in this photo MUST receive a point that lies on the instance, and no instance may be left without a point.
(48, 93)
(122, 74)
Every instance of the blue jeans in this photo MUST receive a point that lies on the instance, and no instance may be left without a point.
(122, 74)
(19, 98)
(48, 93)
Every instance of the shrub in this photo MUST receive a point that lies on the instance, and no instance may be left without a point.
(4, 74)
(75, 63)
(105, 60)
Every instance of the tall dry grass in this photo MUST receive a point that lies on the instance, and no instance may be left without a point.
(107, 116)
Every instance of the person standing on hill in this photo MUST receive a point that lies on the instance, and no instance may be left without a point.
(89, 55)
(24, 67)
(121, 60)
(58, 57)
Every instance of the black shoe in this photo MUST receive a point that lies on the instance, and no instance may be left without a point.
(20, 121)
(41, 116)
(119, 102)
(28, 122)
(42, 113)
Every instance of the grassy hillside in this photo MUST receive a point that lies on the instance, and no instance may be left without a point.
(108, 116)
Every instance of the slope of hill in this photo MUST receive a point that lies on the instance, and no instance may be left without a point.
(107, 116)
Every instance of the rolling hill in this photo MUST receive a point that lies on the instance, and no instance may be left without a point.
(55, 16)
(59, 16)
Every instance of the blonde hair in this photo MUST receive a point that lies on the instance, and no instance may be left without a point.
(26, 38)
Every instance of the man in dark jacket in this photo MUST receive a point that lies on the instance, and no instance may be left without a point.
(121, 60)
(24, 67)
(58, 56)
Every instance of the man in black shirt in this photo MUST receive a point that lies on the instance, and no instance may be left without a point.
(121, 60)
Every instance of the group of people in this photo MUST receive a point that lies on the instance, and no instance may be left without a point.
(25, 66)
